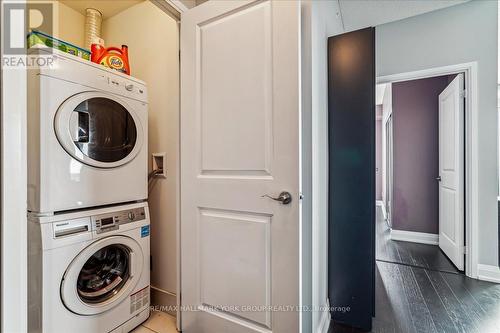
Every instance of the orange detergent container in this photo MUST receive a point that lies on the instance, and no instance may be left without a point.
(111, 57)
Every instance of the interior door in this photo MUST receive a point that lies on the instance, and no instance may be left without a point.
(451, 171)
(239, 149)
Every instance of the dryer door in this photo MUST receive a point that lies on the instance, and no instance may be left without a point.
(99, 129)
(102, 275)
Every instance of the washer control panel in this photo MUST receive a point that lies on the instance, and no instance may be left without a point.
(120, 86)
(111, 221)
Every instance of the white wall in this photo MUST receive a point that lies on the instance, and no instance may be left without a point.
(458, 34)
(70, 24)
(325, 23)
(153, 40)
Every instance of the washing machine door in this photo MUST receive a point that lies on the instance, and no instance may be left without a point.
(99, 129)
(102, 275)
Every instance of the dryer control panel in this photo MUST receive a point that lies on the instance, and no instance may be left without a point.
(112, 221)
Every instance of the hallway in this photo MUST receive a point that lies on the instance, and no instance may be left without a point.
(423, 299)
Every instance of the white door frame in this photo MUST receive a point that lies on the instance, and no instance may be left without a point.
(471, 150)
(14, 234)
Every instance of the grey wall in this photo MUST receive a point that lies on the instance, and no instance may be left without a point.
(416, 154)
(458, 34)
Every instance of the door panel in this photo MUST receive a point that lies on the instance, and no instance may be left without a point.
(236, 103)
(351, 110)
(239, 142)
(451, 171)
(229, 261)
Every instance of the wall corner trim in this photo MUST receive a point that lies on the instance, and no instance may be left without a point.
(415, 237)
(489, 273)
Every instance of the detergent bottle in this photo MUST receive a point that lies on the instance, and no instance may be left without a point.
(111, 57)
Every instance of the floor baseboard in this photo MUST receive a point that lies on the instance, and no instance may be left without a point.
(324, 323)
(488, 273)
(415, 237)
(382, 207)
(163, 301)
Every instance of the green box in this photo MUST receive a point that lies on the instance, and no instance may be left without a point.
(39, 38)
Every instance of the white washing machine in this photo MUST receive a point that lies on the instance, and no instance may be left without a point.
(89, 270)
(87, 136)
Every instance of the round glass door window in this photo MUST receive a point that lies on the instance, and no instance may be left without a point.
(104, 129)
(104, 274)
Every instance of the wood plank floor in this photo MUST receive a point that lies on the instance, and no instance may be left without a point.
(412, 299)
(413, 295)
(414, 254)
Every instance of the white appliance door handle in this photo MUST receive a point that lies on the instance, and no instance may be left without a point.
(132, 264)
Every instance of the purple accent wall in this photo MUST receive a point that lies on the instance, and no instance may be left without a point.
(416, 155)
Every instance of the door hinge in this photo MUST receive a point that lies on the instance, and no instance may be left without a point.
(463, 93)
(464, 249)
(150, 262)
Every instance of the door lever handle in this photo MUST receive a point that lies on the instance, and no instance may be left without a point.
(438, 178)
(284, 197)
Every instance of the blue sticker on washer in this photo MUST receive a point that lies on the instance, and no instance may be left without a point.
(145, 231)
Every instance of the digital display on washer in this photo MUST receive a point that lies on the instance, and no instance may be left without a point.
(106, 221)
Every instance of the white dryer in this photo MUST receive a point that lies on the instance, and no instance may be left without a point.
(87, 136)
(89, 270)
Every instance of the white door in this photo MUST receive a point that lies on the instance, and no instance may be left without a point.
(240, 141)
(451, 171)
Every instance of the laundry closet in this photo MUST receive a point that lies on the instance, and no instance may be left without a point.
(243, 140)
(151, 34)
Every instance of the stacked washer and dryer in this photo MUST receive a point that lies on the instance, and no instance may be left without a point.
(87, 188)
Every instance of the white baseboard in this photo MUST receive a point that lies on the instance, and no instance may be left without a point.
(163, 300)
(415, 237)
(382, 207)
(324, 323)
(488, 273)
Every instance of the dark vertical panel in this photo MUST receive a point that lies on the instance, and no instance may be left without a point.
(351, 107)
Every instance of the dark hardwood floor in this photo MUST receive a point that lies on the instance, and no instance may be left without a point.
(412, 295)
(412, 299)
(413, 254)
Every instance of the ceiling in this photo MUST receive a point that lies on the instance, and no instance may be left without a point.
(358, 14)
(108, 8)
(355, 14)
